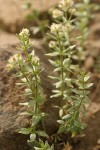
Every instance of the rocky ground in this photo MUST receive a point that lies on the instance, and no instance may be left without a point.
(12, 20)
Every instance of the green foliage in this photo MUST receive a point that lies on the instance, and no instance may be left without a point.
(40, 145)
(71, 85)
(84, 14)
(72, 121)
(28, 70)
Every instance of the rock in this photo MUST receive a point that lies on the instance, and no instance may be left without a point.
(10, 120)
(12, 16)
(89, 63)
(7, 39)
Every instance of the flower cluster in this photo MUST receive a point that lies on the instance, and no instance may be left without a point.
(56, 28)
(57, 13)
(23, 37)
(28, 71)
(24, 32)
(15, 58)
(13, 61)
(66, 85)
(61, 29)
(52, 44)
(65, 4)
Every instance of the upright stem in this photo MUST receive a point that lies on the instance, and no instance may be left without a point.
(62, 68)
(36, 95)
(62, 76)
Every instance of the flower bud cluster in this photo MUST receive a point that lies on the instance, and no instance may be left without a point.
(24, 32)
(61, 30)
(13, 61)
(65, 4)
(63, 26)
(55, 28)
(57, 13)
(15, 58)
(52, 44)
(67, 27)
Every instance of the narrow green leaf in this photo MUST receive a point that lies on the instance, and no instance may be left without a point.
(56, 91)
(53, 54)
(61, 111)
(35, 120)
(87, 76)
(26, 113)
(42, 133)
(62, 129)
(53, 63)
(25, 130)
(33, 143)
(57, 69)
(66, 61)
(56, 95)
(52, 77)
(58, 84)
(88, 85)
(66, 117)
(32, 137)
(60, 121)
(24, 104)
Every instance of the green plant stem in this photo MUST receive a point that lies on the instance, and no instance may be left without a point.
(37, 110)
(80, 104)
(62, 69)
(39, 25)
(36, 95)
(21, 68)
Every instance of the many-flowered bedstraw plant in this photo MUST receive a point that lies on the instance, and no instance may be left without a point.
(28, 70)
(83, 14)
(72, 91)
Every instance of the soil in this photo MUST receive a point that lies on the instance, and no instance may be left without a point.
(10, 120)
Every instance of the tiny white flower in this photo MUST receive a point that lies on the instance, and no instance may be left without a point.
(52, 44)
(65, 4)
(55, 28)
(67, 27)
(9, 67)
(24, 32)
(14, 58)
(12, 61)
(57, 13)
(72, 10)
